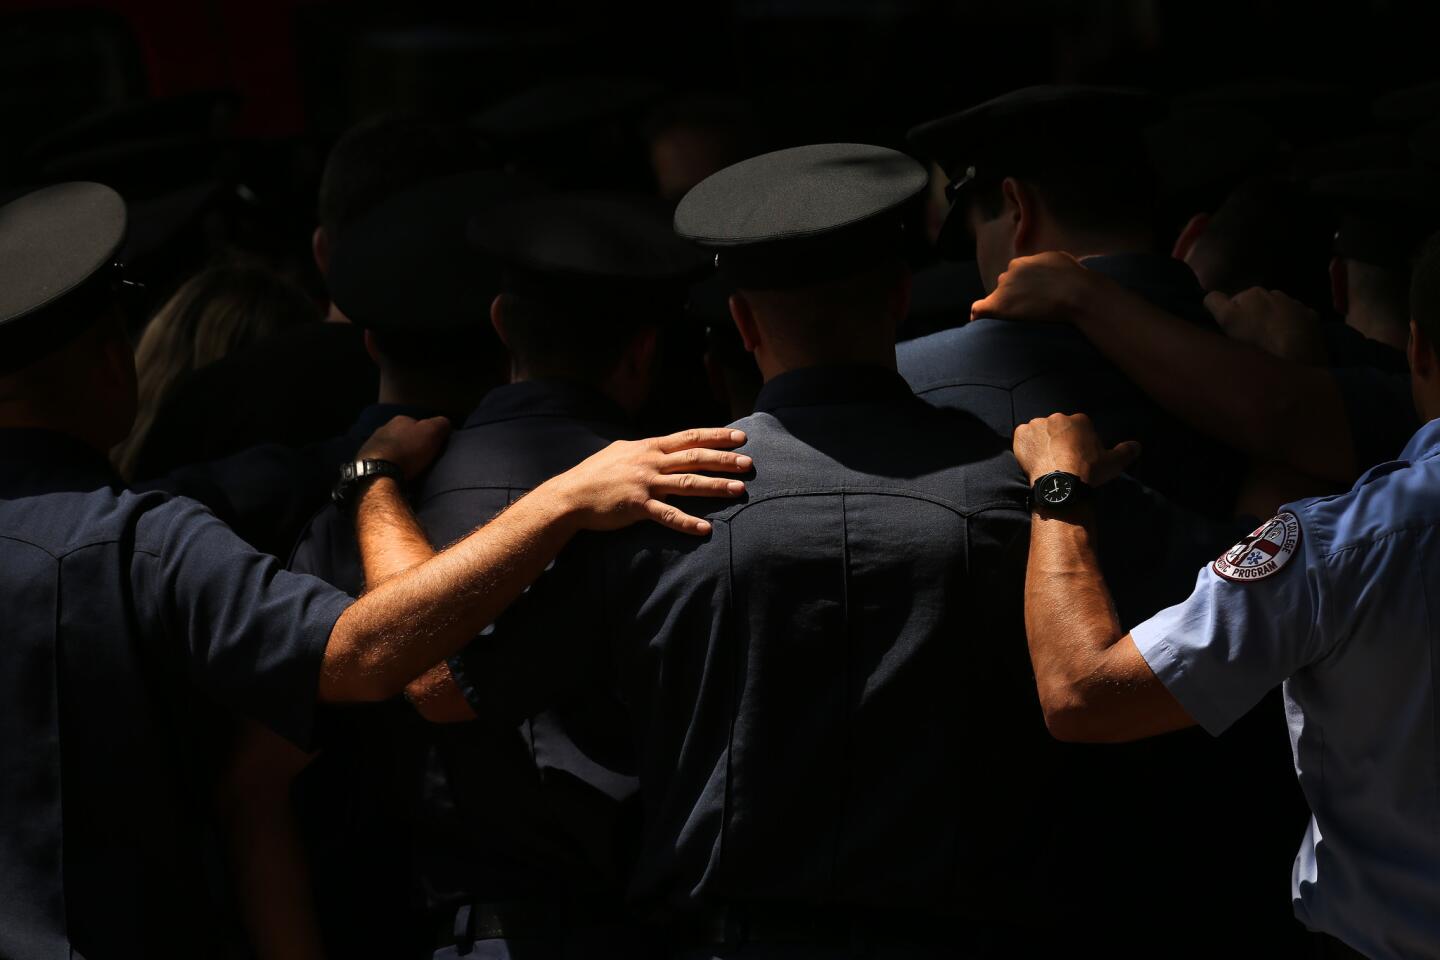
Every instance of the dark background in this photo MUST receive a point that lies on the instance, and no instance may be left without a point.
(292, 74)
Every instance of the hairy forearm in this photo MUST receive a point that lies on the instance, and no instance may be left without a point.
(438, 698)
(391, 539)
(1241, 395)
(417, 618)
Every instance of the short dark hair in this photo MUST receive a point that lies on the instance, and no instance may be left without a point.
(1425, 291)
(379, 157)
(819, 312)
(570, 341)
(1268, 233)
(452, 354)
(1106, 188)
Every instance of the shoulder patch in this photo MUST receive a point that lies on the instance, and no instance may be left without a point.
(1262, 554)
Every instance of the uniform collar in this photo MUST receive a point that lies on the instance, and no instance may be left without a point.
(1158, 278)
(833, 384)
(1425, 444)
(52, 460)
(547, 398)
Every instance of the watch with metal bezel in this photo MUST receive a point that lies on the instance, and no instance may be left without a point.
(356, 475)
(1058, 490)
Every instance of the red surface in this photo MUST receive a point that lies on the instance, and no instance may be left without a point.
(193, 45)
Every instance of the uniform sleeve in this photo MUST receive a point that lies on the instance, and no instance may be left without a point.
(548, 643)
(1381, 410)
(254, 634)
(1238, 636)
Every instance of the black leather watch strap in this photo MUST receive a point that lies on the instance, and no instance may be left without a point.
(356, 475)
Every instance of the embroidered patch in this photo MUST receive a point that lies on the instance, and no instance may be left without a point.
(1263, 553)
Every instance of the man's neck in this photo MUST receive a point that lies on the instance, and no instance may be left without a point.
(1376, 323)
(449, 399)
(1081, 245)
(772, 366)
(607, 388)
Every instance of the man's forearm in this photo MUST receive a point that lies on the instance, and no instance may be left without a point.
(1268, 407)
(1070, 620)
(417, 618)
(1093, 684)
(391, 539)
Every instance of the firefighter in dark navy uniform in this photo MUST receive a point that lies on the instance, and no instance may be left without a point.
(804, 687)
(589, 280)
(121, 607)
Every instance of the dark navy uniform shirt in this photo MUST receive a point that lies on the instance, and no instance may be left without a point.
(486, 832)
(552, 819)
(812, 688)
(1009, 373)
(117, 608)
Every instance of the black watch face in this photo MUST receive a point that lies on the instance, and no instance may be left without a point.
(1056, 488)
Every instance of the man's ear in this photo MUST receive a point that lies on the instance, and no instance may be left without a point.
(1021, 207)
(744, 318)
(372, 348)
(642, 350)
(497, 319)
(320, 250)
(1421, 353)
(1339, 286)
(1186, 241)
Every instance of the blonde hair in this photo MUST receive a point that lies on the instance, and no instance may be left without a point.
(221, 309)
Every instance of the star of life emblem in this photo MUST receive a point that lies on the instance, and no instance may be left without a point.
(1262, 554)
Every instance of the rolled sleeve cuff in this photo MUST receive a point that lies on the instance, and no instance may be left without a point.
(462, 679)
(300, 723)
(1183, 682)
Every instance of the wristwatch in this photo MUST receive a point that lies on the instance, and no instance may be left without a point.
(1059, 490)
(356, 475)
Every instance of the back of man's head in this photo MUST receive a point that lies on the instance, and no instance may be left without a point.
(1090, 190)
(1425, 291)
(1080, 150)
(65, 363)
(852, 318)
(84, 386)
(1267, 233)
(558, 338)
(585, 274)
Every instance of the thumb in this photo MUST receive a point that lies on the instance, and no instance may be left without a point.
(1219, 306)
(440, 426)
(1115, 461)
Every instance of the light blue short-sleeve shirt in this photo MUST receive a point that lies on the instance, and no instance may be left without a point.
(1338, 598)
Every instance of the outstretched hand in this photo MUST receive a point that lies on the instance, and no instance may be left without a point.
(1070, 443)
(1047, 287)
(628, 480)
